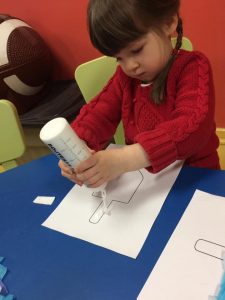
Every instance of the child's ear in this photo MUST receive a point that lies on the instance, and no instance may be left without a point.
(171, 25)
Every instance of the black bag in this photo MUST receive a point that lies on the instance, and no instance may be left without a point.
(62, 99)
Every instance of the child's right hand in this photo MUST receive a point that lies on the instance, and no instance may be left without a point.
(69, 173)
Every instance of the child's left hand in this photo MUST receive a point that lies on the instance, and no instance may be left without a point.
(100, 167)
(108, 164)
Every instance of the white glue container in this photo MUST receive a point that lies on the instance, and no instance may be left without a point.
(59, 136)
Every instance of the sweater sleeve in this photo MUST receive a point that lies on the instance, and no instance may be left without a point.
(191, 123)
(98, 120)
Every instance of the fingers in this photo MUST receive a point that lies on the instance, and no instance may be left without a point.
(97, 183)
(87, 171)
(86, 164)
(64, 167)
(89, 178)
(69, 173)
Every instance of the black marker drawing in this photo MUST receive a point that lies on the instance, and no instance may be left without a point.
(116, 193)
(210, 248)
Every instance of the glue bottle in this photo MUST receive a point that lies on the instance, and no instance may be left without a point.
(59, 136)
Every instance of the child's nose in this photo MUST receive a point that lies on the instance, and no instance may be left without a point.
(132, 65)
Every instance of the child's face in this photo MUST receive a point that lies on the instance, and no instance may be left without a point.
(146, 57)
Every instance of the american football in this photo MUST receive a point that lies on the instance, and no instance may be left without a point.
(25, 63)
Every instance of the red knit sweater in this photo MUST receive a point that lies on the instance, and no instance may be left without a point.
(181, 128)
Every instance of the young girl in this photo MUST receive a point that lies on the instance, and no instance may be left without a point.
(164, 97)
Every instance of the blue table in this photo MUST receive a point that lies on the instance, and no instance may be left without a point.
(45, 264)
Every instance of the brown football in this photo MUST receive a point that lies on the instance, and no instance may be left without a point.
(25, 63)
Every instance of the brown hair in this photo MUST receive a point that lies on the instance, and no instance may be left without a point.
(113, 24)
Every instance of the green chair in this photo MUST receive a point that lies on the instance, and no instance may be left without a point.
(93, 75)
(12, 144)
(221, 150)
(186, 43)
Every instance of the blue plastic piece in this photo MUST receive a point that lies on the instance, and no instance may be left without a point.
(221, 294)
(3, 290)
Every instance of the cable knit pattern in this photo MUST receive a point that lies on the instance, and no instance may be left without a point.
(182, 127)
(202, 101)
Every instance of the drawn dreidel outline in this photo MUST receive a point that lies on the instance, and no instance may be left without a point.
(133, 178)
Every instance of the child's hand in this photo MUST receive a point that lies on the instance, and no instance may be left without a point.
(69, 173)
(106, 165)
(101, 167)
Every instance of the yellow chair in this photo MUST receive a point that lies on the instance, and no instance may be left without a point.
(93, 75)
(221, 150)
(12, 144)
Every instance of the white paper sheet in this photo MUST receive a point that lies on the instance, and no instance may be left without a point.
(190, 267)
(46, 200)
(134, 201)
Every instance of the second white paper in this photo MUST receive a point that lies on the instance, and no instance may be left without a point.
(190, 267)
(134, 201)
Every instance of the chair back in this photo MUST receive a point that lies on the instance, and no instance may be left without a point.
(93, 75)
(221, 150)
(186, 43)
(12, 144)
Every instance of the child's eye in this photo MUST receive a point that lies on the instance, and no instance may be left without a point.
(135, 51)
